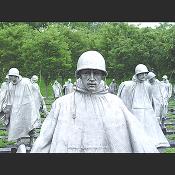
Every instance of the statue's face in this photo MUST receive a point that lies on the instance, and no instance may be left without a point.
(142, 76)
(152, 80)
(13, 79)
(34, 80)
(7, 80)
(164, 80)
(91, 79)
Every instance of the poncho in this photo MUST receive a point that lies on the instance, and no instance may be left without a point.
(113, 88)
(168, 86)
(158, 99)
(69, 88)
(3, 95)
(37, 95)
(57, 89)
(137, 96)
(83, 122)
(39, 99)
(165, 93)
(24, 115)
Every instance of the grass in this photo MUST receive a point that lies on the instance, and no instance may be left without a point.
(172, 120)
(170, 127)
(43, 89)
(172, 102)
(50, 98)
(171, 105)
(49, 107)
(169, 150)
(3, 133)
(42, 120)
(4, 143)
(49, 102)
(171, 115)
(1, 124)
(171, 137)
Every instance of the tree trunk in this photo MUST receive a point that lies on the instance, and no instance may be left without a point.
(62, 80)
(46, 90)
(172, 72)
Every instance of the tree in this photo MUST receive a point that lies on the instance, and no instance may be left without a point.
(48, 53)
(12, 38)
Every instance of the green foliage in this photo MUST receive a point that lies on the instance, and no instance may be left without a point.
(171, 115)
(51, 49)
(171, 137)
(12, 38)
(170, 127)
(4, 143)
(169, 150)
(42, 86)
(171, 102)
(3, 133)
(1, 124)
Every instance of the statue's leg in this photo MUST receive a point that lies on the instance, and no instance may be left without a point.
(32, 134)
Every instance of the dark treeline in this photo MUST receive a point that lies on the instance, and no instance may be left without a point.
(51, 49)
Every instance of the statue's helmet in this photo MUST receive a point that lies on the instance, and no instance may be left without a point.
(150, 75)
(91, 60)
(35, 77)
(7, 77)
(141, 68)
(165, 77)
(14, 71)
